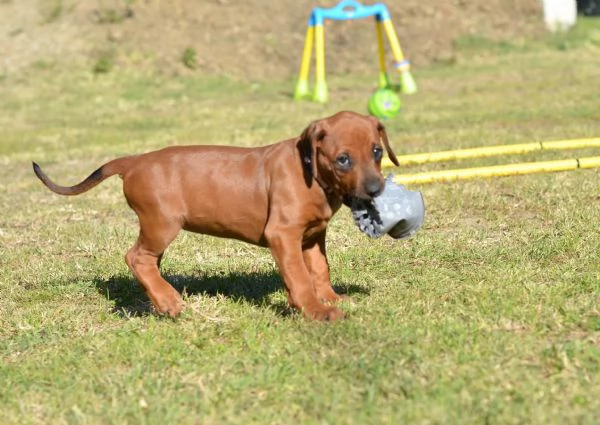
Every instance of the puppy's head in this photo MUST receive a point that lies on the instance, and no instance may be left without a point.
(343, 153)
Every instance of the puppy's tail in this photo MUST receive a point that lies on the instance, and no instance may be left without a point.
(116, 166)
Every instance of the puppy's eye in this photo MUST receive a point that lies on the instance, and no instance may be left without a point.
(377, 153)
(343, 161)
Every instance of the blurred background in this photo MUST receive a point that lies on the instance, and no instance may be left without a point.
(250, 39)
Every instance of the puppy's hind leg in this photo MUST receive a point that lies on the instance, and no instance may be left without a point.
(144, 258)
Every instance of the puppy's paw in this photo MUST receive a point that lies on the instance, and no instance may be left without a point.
(326, 314)
(327, 295)
(169, 304)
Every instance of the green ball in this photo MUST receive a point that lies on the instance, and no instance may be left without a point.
(384, 103)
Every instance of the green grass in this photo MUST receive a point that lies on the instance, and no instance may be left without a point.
(489, 315)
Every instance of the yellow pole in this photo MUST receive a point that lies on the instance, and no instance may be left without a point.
(487, 151)
(320, 94)
(589, 162)
(407, 82)
(498, 171)
(383, 77)
(302, 86)
(593, 142)
(393, 39)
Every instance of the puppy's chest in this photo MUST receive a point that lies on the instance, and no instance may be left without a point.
(317, 220)
(314, 229)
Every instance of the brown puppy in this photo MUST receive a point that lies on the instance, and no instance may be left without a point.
(279, 196)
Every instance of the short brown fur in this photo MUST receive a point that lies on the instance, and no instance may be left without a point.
(280, 196)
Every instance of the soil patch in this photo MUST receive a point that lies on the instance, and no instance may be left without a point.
(253, 39)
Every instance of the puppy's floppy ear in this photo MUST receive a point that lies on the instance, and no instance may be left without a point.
(309, 141)
(383, 136)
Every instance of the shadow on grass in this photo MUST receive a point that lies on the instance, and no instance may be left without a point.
(254, 288)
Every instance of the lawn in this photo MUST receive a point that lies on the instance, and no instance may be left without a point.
(490, 314)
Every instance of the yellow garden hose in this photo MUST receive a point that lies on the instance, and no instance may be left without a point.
(497, 170)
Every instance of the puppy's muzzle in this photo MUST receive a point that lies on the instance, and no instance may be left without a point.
(373, 187)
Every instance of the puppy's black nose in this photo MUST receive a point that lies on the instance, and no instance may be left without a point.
(373, 187)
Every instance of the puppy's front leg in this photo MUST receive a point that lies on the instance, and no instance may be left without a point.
(285, 246)
(315, 258)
